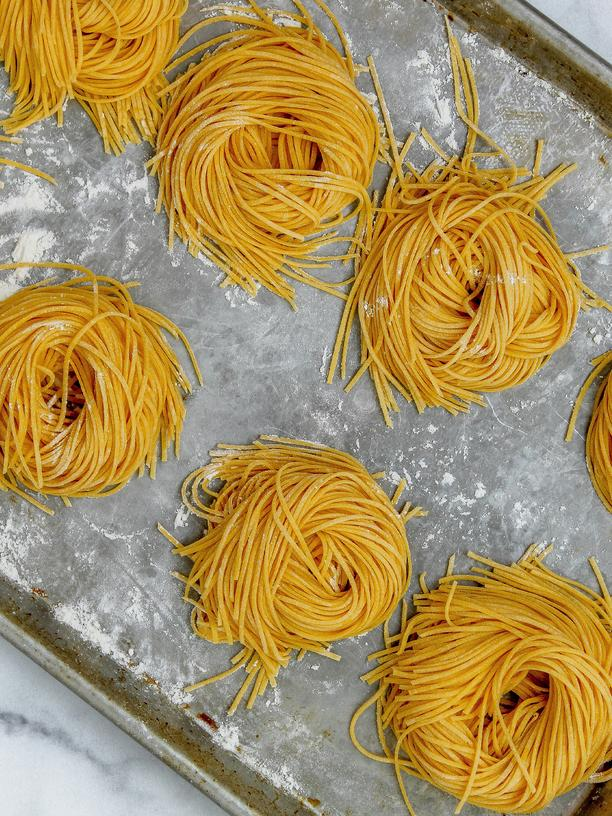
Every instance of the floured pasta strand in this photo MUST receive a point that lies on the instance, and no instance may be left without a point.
(90, 389)
(302, 548)
(107, 56)
(26, 168)
(599, 435)
(498, 689)
(266, 149)
(464, 288)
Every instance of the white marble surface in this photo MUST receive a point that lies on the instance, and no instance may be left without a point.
(590, 21)
(58, 756)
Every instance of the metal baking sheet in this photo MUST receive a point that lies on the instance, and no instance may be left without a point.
(88, 593)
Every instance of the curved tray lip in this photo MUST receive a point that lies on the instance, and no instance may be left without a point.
(30, 639)
(584, 74)
(24, 624)
(24, 635)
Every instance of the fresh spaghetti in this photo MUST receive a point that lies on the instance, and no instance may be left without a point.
(90, 389)
(301, 548)
(464, 288)
(108, 56)
(599, 435)
(266, 146)
(497, 690)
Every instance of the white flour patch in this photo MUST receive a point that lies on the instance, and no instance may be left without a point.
(84, 620)
(325, 421)
(182, 516)
(138, 185)
(205, 261)
(464, 500)
(92, 190)
(480, 491)
(273, 698)
(227, 736)
(10, 571)
(111, 535)
(421, 61)
(80, 618)
(325, 361)
(444, 113)
(32, 195)
(33, 245)
(16, 539)
(521, 515)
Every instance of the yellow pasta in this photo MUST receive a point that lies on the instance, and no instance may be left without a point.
(89, 387)
(108, 56)
(464, 289)
(6, 162)
(599, 435)
(301, 548)
(265, 146)
(498, 689)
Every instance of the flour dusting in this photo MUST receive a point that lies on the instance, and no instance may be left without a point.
(29, 194)
(480, 491)
(33, 245)
(8, 288)
(325, 361)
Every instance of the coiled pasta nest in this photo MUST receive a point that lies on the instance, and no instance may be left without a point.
(265, 146)
(599, 435)
(301, 548)
(108, 56)
(464, 288)
(498, 689)
(90, 389)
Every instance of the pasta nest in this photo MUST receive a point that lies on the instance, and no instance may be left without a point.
(462, 292)
(109, 56)
(302, 548)
(89, 387)
(497, 690)
(599, 435)
(463, 288)
(265, 146)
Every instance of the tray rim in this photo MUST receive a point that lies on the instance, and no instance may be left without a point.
(25, 637)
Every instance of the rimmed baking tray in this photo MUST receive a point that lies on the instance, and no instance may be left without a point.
(88, 593)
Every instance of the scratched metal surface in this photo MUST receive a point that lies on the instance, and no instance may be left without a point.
(107, 617)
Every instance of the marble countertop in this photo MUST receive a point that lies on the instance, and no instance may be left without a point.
(58, 756)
